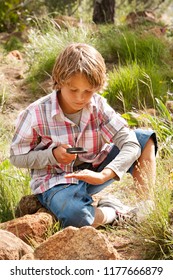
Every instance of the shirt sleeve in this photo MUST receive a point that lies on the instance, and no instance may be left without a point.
(111, 122)
(130, 151)
(26, 138)
(34, 159)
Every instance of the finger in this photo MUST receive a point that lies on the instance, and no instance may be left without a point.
(65, 146)
(74, 175)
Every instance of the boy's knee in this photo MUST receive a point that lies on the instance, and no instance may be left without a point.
(78, 217)
(148, 153)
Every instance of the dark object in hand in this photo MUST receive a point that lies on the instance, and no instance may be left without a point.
(76, 150)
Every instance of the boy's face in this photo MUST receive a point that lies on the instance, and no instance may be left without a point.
(75, 94)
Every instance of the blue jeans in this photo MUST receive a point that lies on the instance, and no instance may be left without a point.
(72, 204)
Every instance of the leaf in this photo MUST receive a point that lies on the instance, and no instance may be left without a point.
(131, 120)
(163, 110)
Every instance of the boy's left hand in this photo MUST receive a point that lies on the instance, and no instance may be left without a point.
(91, 177)
(87, 176)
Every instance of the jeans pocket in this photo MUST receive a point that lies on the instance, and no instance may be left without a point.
(45, 198)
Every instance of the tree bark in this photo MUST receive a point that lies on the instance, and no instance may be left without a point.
(104, 11)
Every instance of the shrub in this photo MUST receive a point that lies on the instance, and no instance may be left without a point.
(14, 183)
(45, 45)
(125, 45)
(135, 86)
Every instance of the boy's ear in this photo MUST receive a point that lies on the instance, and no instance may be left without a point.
(55, 85)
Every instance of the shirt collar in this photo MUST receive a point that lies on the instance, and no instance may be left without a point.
(56, 109)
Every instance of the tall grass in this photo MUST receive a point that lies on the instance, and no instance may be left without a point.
(161, 123)
(155, 234)
(143, 61)
(45, 43)
(14, 183)
(143, 67)
(6, 130)
(134, 85)
(125, 45)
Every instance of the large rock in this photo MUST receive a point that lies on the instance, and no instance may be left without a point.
(28, 204)
(11, 247)
(33, 229)
(72, 243)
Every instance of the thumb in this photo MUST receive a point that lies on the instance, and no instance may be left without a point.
(65, 146)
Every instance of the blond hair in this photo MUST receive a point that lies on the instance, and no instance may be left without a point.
(79, 58)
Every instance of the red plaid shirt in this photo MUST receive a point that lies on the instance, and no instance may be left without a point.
(43, 126)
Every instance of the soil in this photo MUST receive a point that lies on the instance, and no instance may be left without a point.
(12, 74)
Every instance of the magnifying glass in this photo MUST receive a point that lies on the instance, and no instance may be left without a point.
(76, 150)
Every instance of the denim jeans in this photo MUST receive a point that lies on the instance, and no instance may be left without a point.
(72, 204)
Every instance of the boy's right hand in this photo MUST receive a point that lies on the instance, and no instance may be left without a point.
(62, 156)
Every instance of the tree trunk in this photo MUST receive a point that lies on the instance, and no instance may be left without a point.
(104, 11)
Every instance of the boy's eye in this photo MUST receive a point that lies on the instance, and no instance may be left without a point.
(88, 91)
(73, 89)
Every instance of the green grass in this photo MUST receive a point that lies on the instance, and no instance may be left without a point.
(155, 233)
(161, 123)
(4, 94)
(14, 43)
(14, 183)
(136, 86)
(44, 46)
(125, 45)
(142, 62)
(142, 66)
(6, 130)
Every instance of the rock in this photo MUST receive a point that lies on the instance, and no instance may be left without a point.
(29, 256)
(66, 22)
(72, 243)
(169, 105)
(28, 204)
(11, 247)
(139, 17)
(32, 229)
(15, 54)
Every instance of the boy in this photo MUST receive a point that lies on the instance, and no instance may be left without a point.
(74, 115)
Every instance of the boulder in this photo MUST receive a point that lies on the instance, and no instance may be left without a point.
(32, 229)
(28, 204)
(72, 243)
(11, 247)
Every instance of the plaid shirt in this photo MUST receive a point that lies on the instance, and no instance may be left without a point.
(44, 126)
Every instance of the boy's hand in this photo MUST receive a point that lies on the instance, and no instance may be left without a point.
(91, 177)
(62, 156)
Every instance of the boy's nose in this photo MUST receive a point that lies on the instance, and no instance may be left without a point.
(81, 97)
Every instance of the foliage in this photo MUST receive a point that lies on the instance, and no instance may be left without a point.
(142, 69)
(134, 86)
(18, 14)
(161, 123)
(127, 6)
(143, 66)
(3, 97)
(154, 234)
(47, 41)
(14, 43)
(127, 45)
(64, 7)
(15, 14)
(14, 183)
